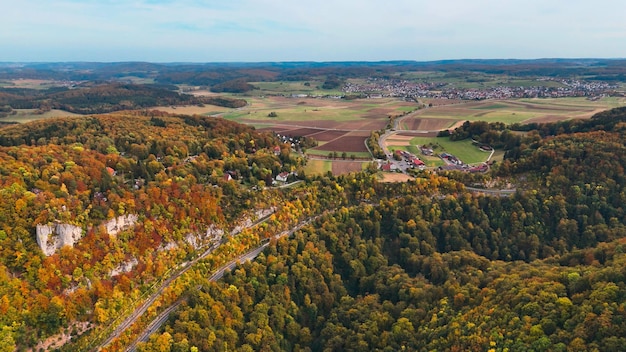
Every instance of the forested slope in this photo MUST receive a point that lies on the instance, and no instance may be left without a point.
(424, 269)
(101, 98)
(421, 265)
(86, 171)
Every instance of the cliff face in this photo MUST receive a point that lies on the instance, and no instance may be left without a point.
(212, 236)
(120, 223)
(52, 237)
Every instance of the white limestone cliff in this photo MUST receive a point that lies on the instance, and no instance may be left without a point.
(52, 237)
(120, 223)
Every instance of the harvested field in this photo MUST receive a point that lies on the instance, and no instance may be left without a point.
(399, 137)
(417, 133)
(397, 140)
(427, 124)
(326, 136)
(344, 167)
(345, 144)
(361, 133)
(389, 177)
(348, 126)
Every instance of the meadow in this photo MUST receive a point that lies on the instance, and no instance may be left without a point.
(303, 109)
(312, 88)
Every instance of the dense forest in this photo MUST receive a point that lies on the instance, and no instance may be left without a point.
(84, 171)
(419, 265)
(103, 98)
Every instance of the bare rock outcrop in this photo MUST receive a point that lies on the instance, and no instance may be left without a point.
(120, 223)
(212, 235)
(249, 221)
(52, 237)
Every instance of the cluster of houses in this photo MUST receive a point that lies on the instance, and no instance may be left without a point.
(451, 159)
(377, 87)
(427, 150)
(410, 158)
(407, 160)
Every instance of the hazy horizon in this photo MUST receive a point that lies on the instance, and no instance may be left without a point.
(245, 31)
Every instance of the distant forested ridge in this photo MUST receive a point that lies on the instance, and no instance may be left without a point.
(96, 98)
(211, 74)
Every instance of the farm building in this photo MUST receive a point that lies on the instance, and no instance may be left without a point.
(282, 177)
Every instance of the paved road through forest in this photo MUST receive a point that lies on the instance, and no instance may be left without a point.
(219, 273)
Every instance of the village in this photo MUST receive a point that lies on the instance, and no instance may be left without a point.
(378, 88)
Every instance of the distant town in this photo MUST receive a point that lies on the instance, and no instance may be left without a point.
(379, 88)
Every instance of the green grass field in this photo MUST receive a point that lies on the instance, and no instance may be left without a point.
(464, 150)
(296, 113)
(307, 109)
(318, 167)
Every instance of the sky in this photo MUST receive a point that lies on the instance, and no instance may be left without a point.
(313, 30)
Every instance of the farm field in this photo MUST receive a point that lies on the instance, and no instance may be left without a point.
(345, 167)
(310, 111)
(426, 124)
(390, 177)
(193, 109)
(318, 166)
(338, 125)
(291, 88)
(27, 115)
(337, 167)
(29, 83)
(511, 111)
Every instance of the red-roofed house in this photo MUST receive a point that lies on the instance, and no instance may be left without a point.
(417, 162)
(282, 177)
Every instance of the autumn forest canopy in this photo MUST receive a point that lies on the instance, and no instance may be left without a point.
(426, 264)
